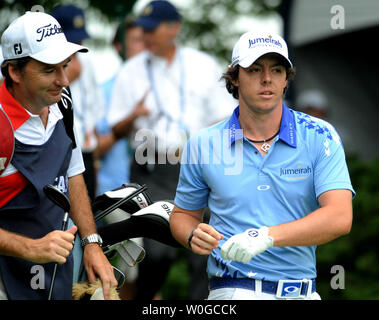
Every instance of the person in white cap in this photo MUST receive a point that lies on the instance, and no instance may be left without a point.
(88, 100)
(36, 54)
(161, 96)
(313, 102)
(275, 180)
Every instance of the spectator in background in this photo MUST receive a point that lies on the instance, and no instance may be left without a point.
(114, 167)
(88, 99)
(132, 36)
(165, 94)
(115, 163)
(313, 102)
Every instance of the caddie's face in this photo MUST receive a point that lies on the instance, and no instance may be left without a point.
(262, 84)
(40, 84)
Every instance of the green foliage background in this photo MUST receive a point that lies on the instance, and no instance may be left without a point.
(358, 251)
(207, 24)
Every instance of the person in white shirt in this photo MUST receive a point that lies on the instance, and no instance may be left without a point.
(161, 97)
(36, 54)
(114, 169)
(87, 95)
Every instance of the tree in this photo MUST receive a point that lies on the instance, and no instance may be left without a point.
(207, 24)
(211, 25)
(111, 9)
(356, 252)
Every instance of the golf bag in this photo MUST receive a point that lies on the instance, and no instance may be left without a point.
(124, 213)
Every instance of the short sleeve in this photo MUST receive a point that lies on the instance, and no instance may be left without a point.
(192, 191)
(331, 170)
(76, 165)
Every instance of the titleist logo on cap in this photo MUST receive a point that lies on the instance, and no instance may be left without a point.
(48, 30)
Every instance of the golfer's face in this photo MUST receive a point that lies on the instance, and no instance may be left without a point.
(41, 84)
(261, 85)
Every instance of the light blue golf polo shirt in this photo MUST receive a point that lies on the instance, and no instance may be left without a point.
(223, 170)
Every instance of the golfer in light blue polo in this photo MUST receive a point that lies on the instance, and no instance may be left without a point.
(275, 180)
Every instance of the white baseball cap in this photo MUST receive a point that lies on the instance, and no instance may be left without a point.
(252, 45)
(37, 35)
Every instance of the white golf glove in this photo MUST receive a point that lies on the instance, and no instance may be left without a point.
(244, 246)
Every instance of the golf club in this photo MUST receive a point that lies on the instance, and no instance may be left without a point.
(120, 203)
(61, 200)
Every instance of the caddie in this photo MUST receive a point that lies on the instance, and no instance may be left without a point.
(276, 183)
(36, 53)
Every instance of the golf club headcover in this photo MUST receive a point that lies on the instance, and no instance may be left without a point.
(6, 141)
(124, 211)
(150, 222)
(65, 107)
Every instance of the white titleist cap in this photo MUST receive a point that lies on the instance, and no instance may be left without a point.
(37, 35)
(252, 45)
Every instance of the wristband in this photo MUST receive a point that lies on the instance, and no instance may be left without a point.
(190, 238)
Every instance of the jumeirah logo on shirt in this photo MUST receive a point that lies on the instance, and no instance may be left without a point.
(298, 172)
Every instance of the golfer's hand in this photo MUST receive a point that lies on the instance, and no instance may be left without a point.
(205, 238)
(54, 247)
(96, 263)
(244, 246)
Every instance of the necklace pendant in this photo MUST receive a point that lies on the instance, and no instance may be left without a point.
(265, 146)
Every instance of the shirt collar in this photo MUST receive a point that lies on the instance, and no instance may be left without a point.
(235, 131)
(163, 60)
(287, 132)
(16, 113)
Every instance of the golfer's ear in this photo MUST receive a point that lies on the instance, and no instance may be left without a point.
(14, 73)
(233, 81)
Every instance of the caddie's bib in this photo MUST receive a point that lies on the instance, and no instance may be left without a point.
(32, 214)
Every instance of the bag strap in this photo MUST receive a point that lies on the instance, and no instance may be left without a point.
(65, 106)
(6, 140)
